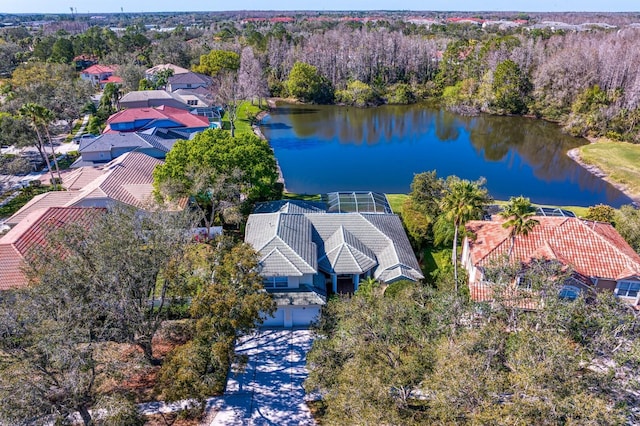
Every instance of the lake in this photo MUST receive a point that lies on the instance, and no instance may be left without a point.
(330, 148)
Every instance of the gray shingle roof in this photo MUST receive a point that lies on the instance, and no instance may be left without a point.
(190, 78)
(336, 242)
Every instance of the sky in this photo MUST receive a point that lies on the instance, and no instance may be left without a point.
(93, 6)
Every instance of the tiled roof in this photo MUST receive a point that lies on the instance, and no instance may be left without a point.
(111, 79)
(335, 242)
(176, 69)
(164, 112)
(98, 69)
(145, 95)
(190, 78)
(127, 179)
(42, 201)
(81, 177)
(592, 249)
(32, 232)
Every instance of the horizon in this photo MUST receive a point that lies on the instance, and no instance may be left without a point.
(202, 6)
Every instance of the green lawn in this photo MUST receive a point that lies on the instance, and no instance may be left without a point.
(396, 201)
(619, 160)
(304, 197)
(243, 124)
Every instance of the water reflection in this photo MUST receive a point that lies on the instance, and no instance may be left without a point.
(327, 148)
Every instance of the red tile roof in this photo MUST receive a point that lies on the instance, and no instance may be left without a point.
(111, 79)
(98, 69)
(162, 112)
(592, 249)
(31, 233)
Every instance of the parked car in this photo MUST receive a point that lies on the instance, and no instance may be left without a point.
(84, 137)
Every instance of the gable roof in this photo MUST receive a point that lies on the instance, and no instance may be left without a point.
(33, 232)
(340, 243)
(592, 249)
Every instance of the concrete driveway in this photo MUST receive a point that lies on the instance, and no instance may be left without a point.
(270, 391)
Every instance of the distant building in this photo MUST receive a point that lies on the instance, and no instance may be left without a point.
(100, 75)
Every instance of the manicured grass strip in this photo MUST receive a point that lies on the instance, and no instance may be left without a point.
(396, 201)
(304, 197)
(243, 124)
(619, 160)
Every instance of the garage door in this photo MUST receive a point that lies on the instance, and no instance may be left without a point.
(304, 315)
(276, 321)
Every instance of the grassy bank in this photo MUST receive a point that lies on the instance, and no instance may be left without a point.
(243, 123)
(619, 160)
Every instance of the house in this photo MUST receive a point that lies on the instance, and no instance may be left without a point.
(153, 142)
(165, 117)
(128, 180)
(151, 99)
(308, 251)
(151, 73)
(189, 80)
(23, 240)
(100, 75)
(198, 101)
(598, 256)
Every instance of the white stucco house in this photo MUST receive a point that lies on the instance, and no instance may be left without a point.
(309, 251)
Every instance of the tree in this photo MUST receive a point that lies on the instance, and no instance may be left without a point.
(220, 171)
(306, 84)
(601, 213)
(518, 215)
(627, 223)
(110, 101)
(133, 290)
(425, 357)
(463, 201)
(251, 76)
(422, 208)
(510, 88)
(218, 61)
(37, 114)
(62, 51)
(229, 304)
(229, 93)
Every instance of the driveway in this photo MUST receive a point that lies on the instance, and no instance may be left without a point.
(270, 391)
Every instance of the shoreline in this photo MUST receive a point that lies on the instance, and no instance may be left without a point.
(574, 154)
(258, 133)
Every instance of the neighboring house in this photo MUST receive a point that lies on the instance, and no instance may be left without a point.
(150, 74)
(152, 98)
(100, 75)
(307, 252)
(137, 119)
(193, 101)
(598, 256)
(189, 80)
(154, 142)
(32, 232)
(84, 61)
(127, 180)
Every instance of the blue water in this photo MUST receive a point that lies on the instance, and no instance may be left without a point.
(327, 148)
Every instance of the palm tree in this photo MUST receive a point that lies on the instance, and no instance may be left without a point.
(463, 201)
(518, 216)
(33, 112)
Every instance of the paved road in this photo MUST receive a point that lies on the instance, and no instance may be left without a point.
(270, 391)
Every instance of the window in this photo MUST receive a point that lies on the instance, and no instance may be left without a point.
(275, 282)
(628, 289)
(192, 102)
(569, 292)
(523, 282)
